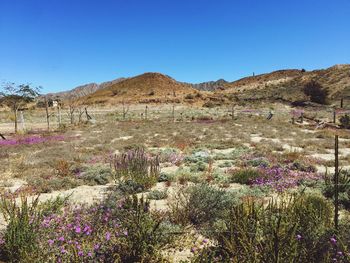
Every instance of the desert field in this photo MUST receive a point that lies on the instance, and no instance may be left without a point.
(192, 175)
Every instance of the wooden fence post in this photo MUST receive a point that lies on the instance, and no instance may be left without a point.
(21, 117)
(146, 111)
(233, 112)
(334, 116)
(47, 113)
(336, 183)
(59, 115)
(341, 102)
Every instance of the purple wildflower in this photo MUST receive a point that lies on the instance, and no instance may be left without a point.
(333, 240)
(108, 236)
(77, 229)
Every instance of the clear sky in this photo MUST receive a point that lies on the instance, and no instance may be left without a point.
(60, 44)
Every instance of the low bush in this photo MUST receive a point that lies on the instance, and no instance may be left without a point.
(345, 121)
(258, 162)
(116, 230)
(316, 92)
(292, 229)
(20, 237)
(130, 187)
(244, 176)
(301, 166)
(344, 188)
(157, 195)
(137, 166)
(199, 204)
(19, 242)
(165, 177)
(47, 185)
(96, 175)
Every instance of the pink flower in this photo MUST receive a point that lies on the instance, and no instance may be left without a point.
(77, 229)
(61, 239)
(108, 236)
(80, 253)
(50, 241)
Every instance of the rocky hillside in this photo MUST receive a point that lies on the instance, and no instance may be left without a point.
(210, 85)
(83, 90)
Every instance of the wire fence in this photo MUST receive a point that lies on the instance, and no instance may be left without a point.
(38, 120)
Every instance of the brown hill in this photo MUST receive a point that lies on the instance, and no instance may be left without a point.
(282, 85)
(145, 88)
(287, 85)
(276, 77)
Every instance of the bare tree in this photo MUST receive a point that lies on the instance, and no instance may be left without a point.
(125, 110)
(17, 96)
(72, 107)
(81, 111)
(88, 117)
(48, 115)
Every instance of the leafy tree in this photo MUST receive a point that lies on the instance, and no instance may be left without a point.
(17, 96)
(316, 92)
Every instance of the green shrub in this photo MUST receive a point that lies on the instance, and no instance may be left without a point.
(344, 188)
(198, 155)
(301, 166)
(96, 174)
(53, 205)
(42, 185)
(130, 187)
(225, 164)
(291, 229)
(244, 176)
(316, 92)
(20, 236)
(259, 162)
(145, 236)
(199, 204)
(138, 166)
(345, 121)
(189, 97)
(164, 177)
(198, 167)
(157, 195)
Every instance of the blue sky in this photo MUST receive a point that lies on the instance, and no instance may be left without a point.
(60, 44)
